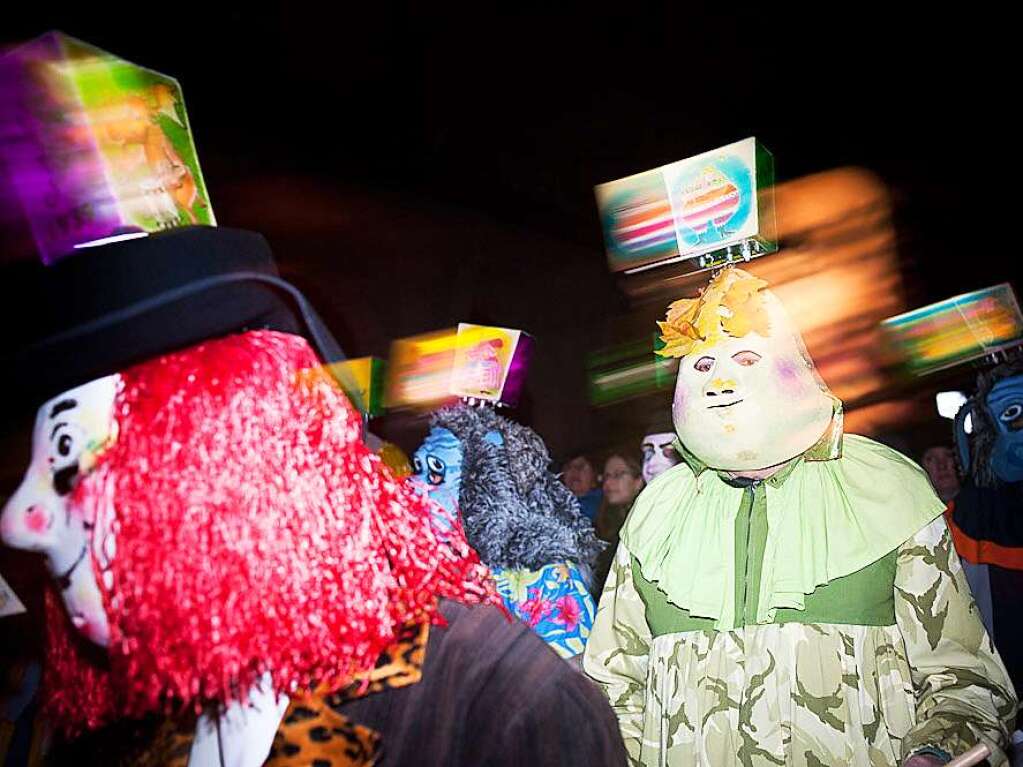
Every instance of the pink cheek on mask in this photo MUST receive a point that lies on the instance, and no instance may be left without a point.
(37, 520)
(791, 378)
(678, 407)
(83, 625)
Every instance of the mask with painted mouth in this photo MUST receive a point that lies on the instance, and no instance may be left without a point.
(255, 534)
(747, 396)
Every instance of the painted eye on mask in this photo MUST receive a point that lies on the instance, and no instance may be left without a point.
(1011, 413)
(65, 446)
(417, 465)
(436, 465)
(65, 443)
(704, 364)
(746, 358)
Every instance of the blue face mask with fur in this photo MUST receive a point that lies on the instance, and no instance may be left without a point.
(1005, 404)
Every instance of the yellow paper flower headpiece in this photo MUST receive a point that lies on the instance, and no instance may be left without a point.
(730, 305)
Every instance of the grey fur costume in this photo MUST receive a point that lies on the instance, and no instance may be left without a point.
(517, 514)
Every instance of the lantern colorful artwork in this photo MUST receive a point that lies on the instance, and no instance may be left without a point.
(709, 210)
(473, 362)
(955, 330)
(97, 148)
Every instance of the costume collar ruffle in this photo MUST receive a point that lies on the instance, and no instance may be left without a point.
(841, 506)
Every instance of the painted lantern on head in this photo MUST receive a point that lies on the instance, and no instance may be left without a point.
(491, 475)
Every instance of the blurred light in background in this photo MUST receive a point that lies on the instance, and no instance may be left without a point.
(628, 370)
(94, 146)
(956, 330)
(949, 402)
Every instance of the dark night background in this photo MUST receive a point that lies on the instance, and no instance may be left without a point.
(417, 165)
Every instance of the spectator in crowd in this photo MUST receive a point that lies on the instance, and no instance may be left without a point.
(623, 479)
(580, 476)
(940, 464)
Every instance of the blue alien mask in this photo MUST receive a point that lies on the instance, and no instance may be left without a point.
(997, 436)
(1005, 404)
(437, 466)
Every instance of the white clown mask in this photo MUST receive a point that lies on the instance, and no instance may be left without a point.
(658, 454)
(70, 432)
(749, 400)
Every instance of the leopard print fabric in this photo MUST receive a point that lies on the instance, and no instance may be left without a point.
(155, 741)
(314, 732)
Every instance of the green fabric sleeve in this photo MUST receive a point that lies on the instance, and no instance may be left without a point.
(618, 651)
(963, 691)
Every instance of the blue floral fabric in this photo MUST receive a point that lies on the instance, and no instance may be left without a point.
(553, 601)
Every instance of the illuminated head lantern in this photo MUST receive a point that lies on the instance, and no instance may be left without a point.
(747, 396)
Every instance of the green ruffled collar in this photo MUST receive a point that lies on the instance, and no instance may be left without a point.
(840, 506)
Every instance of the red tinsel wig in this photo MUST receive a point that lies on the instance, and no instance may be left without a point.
(254, 533)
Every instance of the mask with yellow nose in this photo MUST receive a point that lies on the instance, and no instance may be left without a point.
(747, 396)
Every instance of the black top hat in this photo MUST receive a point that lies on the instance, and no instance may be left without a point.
(112, 306)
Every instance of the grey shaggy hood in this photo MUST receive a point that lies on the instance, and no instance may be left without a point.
(517, 514)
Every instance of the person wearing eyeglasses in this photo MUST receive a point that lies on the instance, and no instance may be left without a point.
(621, 482)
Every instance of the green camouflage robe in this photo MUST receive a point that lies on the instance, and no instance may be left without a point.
(866, 668)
